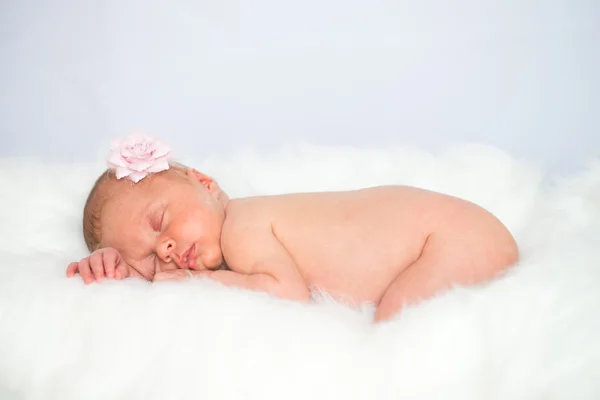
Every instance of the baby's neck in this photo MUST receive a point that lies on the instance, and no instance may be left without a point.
(223, 199)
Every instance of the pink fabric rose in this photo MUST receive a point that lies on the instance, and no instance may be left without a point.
(137, 155)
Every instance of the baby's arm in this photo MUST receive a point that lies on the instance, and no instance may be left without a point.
(259, 261)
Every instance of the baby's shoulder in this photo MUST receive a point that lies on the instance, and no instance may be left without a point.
(245, 216)
(245, 231)
(247, 209)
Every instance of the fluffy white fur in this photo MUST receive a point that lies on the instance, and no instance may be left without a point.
(532, 334)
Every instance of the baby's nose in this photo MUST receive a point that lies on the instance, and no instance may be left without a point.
(166, 249)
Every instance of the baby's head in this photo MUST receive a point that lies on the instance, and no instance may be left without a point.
(167, 220)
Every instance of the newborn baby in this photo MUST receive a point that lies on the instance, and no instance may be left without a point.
(390, 246)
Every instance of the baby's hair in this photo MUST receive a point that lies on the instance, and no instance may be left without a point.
(92, 211)
(102, 191)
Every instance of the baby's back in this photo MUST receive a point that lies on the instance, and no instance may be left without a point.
(355, 243)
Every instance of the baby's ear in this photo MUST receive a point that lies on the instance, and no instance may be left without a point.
(206, 180)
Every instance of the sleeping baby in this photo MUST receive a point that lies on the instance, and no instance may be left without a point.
(391, 246)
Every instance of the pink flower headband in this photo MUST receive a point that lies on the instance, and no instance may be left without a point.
(137, 155)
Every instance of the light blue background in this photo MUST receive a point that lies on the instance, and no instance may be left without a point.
(209, 76)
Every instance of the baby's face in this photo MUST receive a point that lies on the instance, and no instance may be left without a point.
(172, 221)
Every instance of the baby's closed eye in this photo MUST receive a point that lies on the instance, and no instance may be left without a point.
(157, 220)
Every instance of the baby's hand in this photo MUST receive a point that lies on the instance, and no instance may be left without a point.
(179, 275)
(102, 263)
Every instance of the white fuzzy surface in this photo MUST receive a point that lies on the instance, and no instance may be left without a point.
(533, 334)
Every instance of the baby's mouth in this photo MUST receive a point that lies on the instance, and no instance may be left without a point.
(188, 259)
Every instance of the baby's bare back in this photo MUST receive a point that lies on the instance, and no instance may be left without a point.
(354, 244)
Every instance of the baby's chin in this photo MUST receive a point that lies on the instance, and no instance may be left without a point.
(210, 259)
(221, 266)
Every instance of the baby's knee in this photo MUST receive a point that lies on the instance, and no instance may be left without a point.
(385, 311)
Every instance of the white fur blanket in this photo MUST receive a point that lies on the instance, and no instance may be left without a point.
(534, 334)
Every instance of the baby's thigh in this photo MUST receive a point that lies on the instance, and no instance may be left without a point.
(444, 262)
(413, 284)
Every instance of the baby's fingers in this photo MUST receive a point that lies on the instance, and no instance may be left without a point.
(85, 271)
(110, 263)
(72, 269)
(97, 265)
(121, 270)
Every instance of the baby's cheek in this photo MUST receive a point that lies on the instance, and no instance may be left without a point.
(189, 230)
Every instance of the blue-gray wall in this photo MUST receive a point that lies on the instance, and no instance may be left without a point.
(208, 75)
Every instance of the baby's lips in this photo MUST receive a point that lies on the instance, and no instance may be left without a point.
(188, 259)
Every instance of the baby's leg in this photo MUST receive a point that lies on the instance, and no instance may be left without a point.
(443, 263)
